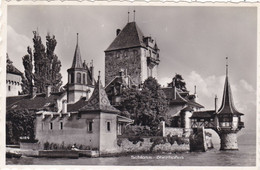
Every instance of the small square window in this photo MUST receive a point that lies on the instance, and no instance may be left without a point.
(9, 88)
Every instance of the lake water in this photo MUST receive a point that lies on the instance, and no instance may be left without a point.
(246, 156)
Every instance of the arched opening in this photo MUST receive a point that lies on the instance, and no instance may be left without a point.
(72, 77)
(84, 79)
(78, 77)
(215, 138)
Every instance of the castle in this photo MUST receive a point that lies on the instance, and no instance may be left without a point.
(13, 79)
(86, 114)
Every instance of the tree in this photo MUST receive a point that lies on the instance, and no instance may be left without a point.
(27, 81)
(146, 106)
(46, 66)
(178, 82)
(19, 123)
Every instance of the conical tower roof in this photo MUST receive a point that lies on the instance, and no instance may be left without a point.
(77, 61)
(130, 36)
(227, 106)
(99, 100)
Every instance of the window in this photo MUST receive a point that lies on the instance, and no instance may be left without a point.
(61, 125)
(78, 77)
(108, 126)
(84, 79)
(9, 88)
(51, 126)
(90, 126)
(72, 78)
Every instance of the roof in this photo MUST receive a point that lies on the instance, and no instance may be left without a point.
(227, 106)
(203, 114)
(181, 97)
(77, 61)
(76, 106)
(10, 68)
(39, 102)
(116, 83)
(130, 36)
(124, 119)
(99, 100)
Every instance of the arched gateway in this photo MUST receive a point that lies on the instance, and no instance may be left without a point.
(226, 121)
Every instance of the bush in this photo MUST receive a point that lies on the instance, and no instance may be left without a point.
(135, 139)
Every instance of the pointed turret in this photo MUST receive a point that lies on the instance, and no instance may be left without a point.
(99, 100)
(80, 78)
(227, 106)
(228, 119)
(77, 61)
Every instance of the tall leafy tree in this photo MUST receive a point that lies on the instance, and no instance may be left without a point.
(146, 106)
(46, 65)
(27, 81)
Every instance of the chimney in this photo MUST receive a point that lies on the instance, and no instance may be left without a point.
(48, 91)
(174, 89)
(121, 72)
(64, 106)
(216, 103)
(118, 31)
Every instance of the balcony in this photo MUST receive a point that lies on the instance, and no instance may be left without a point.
(151, 62)
(241, 125)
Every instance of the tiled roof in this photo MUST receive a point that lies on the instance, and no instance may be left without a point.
(74, 107)
(130, 36)
(203, 114)
(10, 68)
(195, 104)
(99, 101)
(119, 80)
(227, 106)
(169, 92)
(39, 102)
(181, 97)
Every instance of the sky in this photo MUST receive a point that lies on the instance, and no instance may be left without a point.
(193, 42)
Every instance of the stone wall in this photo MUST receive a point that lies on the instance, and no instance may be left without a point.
(129, 59)
(198, 140)
(74, 130)
(151, 144)
(174, 131)
(30, 146)
(228, 141)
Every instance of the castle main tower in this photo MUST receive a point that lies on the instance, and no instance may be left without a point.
(80, 78)
(133, 52)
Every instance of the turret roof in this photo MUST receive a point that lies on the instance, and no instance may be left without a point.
(130, 36)
(77, 61)
(227, 106)
(10, 68)
(99, 100)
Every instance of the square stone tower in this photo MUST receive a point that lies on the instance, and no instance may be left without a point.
(133, 52)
